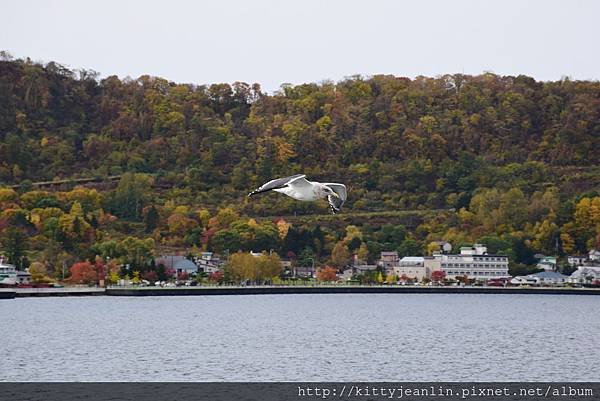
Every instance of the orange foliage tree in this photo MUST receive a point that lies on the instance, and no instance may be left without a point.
(83, 273)
(327, 274)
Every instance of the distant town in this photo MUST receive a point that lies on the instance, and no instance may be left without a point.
(471, 265)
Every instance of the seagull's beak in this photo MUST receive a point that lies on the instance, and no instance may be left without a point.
(335, 194)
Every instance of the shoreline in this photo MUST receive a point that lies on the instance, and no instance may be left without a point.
(273, 290)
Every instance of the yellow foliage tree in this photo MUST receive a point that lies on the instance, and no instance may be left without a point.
(432, 247)
(352, 232)
(283, 228)
(568, 245)
(244, 266)
(363, 252)
(182, 210)
(8, 195)
(89, 199)
(587, 213)
(180, 225)
(38, 272)
(204, 216)
(225, 216)
(340, 256)
(544, 235)
(285, 150)
(31, 198)
(74, 225)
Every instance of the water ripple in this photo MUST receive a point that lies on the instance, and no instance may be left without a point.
(334, 337)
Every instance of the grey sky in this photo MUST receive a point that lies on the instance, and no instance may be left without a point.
(272, 42)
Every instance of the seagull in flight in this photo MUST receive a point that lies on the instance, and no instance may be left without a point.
(298, 187)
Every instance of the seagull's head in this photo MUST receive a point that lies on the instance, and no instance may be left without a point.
(331, 192)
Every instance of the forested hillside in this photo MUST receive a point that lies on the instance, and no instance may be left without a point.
(514, 161)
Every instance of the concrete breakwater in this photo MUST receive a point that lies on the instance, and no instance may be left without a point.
(57, 292)
(282, 290)
(7, 293)
(339, 289)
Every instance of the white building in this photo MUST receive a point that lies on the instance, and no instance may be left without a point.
(208, 263)
(415, 267)
(585, 275)
(473, 262)
(547, 263)
(305, 271)
(548, 278)
(576, 260)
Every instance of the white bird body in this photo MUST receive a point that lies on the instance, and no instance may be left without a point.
(299, 188)
(316, 192)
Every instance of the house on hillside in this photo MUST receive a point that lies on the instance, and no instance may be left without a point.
(209, 263)
(177, 263)
(576, 260)
(547, 263)
(363, 268)
(304, 271)
(585, 275)
(388, 259)
(549, 278)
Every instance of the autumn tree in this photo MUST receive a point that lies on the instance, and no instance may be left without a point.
(83, 273)
(340, 256)
(327, 274)
(245, 266)
(438, 276)
(39, 273)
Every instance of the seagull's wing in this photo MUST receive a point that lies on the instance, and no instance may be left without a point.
(299, 182)
(336, 203)
(278, 183)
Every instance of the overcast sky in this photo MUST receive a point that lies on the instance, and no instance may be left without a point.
(272, 42)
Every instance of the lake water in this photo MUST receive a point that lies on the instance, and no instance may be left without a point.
(329, 337)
